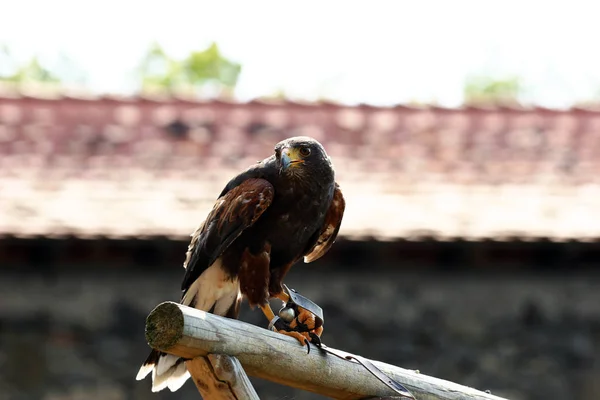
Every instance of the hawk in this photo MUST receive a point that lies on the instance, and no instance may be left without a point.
(285, 208)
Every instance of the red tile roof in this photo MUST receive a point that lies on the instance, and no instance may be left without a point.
(138, 166)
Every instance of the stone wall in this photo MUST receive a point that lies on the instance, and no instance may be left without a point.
(79, 334)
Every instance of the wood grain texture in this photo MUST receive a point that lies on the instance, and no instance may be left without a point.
(229, 369)
(220, 377)
(281, 359)
(209, 386)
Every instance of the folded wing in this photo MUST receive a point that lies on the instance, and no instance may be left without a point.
(330, 228)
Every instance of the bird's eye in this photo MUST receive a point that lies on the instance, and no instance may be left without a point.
(304, 151)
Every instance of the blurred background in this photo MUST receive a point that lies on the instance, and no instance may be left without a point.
(465, 135)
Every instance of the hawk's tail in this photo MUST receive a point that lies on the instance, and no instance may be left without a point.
(167, 371)
(214, 292)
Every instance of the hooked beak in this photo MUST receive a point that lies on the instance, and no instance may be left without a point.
(290, 158)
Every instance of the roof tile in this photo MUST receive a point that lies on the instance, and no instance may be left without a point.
(149, 166)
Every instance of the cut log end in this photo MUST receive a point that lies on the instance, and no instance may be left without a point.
(164, 326)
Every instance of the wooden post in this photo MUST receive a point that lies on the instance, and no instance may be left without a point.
(220, 377)
(191, 333)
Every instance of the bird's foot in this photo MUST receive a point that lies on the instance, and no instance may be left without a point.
(305, 321)
(300, 324)
(301, 337)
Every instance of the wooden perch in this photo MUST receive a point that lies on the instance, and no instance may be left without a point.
(220, 377)
(191, 333)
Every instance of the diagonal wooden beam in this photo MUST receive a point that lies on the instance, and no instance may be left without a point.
(220, 377)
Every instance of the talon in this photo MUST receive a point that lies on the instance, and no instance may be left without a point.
(315, 339)
(298, 336)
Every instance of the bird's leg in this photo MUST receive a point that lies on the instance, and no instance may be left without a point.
(283, 297)
(266, 309)
(304, 322)
(301, 337)
(283, 327)
(304, 316)
(279, 325)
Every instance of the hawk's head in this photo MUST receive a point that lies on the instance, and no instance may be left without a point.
(304, 158)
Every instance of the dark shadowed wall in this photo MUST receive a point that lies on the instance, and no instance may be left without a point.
(522, 320)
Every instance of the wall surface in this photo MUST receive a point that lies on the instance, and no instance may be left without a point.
(79, 334)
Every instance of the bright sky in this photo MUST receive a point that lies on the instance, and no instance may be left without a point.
(378, 52)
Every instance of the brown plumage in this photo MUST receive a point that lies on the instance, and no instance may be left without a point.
(283, 209)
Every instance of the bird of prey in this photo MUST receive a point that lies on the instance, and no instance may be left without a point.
(283, 209)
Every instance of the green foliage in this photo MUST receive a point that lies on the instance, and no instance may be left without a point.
(158, 70)
(31, 72)
(210, 65)
(200, 72)
(488, 90)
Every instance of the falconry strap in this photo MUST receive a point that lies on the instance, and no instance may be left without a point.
(298, 300)
(301, 301)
